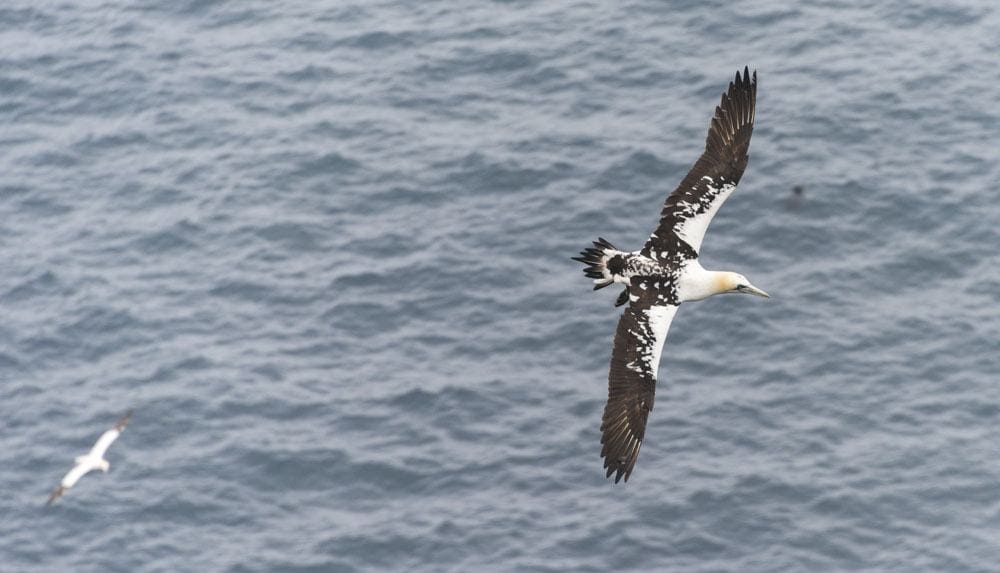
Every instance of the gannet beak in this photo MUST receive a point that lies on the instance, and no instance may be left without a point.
(750, 289)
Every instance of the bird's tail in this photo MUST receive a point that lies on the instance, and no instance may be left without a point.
(596, 259)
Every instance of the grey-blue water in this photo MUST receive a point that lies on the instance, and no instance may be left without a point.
(323, 250)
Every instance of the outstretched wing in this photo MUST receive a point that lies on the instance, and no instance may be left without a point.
(690, 208)
(74, 475)
(635, 360)
(69, 480)
(108, 438)
(103, 443)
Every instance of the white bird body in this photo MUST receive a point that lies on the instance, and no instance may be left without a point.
(92, 460)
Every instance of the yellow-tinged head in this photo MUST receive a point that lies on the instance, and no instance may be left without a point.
(727, 282)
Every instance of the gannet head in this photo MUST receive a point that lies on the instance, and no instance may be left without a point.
(105, 466)
(737, 283)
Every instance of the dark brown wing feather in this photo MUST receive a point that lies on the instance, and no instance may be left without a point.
(123, 421)
(56, 494)
(689, 209)
(631, 387)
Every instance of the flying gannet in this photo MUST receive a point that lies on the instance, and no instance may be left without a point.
(94, 459)
(666, 272)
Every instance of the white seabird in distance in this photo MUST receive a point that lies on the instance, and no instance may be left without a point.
(93, 460)
(666, 272)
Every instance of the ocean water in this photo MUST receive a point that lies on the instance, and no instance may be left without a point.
(323, 250)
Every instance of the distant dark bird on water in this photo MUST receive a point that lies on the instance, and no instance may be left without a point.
(666, 272)
(798, 195)
(93, 460)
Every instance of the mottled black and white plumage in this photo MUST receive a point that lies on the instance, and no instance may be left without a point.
(666, 272)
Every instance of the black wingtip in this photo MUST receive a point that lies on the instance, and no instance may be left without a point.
(124, 420)
(56, 494)
(619, 475)
(744, 80)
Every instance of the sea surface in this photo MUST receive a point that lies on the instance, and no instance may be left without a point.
(322, 250)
